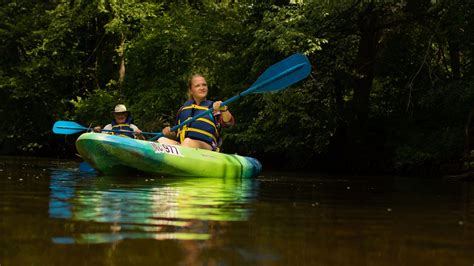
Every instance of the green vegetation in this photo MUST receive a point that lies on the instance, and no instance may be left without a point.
(392, 86)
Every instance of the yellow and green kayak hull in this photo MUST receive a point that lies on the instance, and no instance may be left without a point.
(112, 154)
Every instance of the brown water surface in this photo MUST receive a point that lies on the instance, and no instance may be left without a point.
(53, 214)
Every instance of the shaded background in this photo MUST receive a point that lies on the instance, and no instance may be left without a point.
(391, 89)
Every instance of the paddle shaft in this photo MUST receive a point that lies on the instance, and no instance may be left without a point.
(235, 98)
(79, 129)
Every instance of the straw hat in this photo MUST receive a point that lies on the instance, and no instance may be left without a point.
(120, 108)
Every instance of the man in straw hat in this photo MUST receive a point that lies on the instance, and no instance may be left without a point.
(122, 124)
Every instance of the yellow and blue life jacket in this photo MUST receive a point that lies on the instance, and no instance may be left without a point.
(123, 127)
(204, 128)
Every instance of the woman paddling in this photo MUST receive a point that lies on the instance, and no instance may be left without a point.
(202, 133)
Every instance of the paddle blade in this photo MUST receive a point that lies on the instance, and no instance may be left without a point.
(67, 127)
(282, 74)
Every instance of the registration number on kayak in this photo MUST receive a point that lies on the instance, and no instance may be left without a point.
(165, 148)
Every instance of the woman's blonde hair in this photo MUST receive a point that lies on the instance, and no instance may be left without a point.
(190, 84)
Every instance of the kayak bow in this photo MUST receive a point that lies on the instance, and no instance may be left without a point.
(112, 154)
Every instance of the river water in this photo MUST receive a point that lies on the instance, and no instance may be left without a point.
(53, 214)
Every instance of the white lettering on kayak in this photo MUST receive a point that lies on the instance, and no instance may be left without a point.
(165, 148)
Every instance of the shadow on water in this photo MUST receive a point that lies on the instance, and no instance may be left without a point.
(140, 207)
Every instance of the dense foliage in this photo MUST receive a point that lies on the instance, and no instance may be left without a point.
(391, 88)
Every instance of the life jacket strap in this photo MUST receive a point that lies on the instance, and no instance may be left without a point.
(210, 123)
(194, 106)
(202, 132)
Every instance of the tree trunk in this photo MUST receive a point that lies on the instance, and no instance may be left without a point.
(362, 82)
(469, 135)
(122, 62)
(455, 57)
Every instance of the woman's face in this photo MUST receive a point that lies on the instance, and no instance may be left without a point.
(120, 118)
(198, 88)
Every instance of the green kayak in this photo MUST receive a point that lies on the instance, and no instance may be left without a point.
(117, 155)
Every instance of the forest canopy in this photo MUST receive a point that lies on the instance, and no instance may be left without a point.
(391, 88)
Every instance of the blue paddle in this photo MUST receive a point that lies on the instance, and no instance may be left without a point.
(71, 127)
(277, 77)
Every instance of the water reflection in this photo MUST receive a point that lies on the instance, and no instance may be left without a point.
(146, 207)
(49, 207)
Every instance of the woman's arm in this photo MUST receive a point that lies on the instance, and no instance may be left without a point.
(225, 117)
